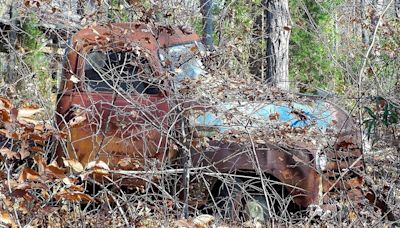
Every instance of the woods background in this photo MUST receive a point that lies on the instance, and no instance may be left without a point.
(343, 50)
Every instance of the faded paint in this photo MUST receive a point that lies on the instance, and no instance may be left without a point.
(262, 115)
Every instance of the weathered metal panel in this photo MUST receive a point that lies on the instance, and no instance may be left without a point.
(240, 115)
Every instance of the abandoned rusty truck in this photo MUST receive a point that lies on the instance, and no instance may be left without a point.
(125, 99)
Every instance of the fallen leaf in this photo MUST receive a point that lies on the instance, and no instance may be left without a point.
(28, 112)
(76, 166)
(203, 221)
(260, 141)
(40, 163)
(124, 163)
(73, 196)
(274, 116)
(98, 167)
(182, 223)
(24, 153)
(5, 116)
(55, 171)
(9, 154)
(5, 103)
(28, 120)
(6, 219)
(352, 216)
(76, 120)
(28, 174)
(67, 181)
(74, 79)
(97, 164)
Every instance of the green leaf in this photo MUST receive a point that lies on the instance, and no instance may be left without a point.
(370, 112)
(370, 126)
(385, 115)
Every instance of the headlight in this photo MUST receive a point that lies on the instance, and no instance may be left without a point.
(320, 161)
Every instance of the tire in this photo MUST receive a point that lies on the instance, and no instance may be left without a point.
(236, 202)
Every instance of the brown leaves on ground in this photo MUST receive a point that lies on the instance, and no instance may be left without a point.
(6, 219)
(21, 128)
(27, 189)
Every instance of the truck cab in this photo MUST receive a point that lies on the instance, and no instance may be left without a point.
(112, 97)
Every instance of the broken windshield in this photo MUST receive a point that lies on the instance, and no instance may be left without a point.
(183, 60)
(124, 71)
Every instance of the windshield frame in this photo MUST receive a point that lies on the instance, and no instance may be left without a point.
(147, 57)
(195, 42)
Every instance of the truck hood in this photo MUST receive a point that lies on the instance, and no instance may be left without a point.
(249, 116)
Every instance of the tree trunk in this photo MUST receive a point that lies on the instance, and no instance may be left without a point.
(278, 33)
(272, 64)
(11, 76)
(378, 5)
(364, 22)
(397, 8)
(206, 11)
(257, 60)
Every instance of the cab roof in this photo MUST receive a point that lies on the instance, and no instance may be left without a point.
(123, 34)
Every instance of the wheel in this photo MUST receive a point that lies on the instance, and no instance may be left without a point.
(238, 200)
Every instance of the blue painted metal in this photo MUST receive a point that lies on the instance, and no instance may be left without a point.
(317, 114)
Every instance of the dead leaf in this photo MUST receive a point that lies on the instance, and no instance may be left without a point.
(98, 167)
(9, 154)
(48, 209)
(7, 202)
(6, 219)
(203, 221)
(274, 116)
(5, 116)
(19, 193)
(74, 79)
(287, 27)
(14, 114)
(55, 171)
(97, 164)
(76, 188)
(40, 163)
(28, 120)
(124, 163)
(183, 223)
(352, 216)
(73, 196)
(76, 166)
(28, 112)
(67, 181)
(22, 208)
(260, 141)
(24, 153)
(76, 120)
(28, 174)
(5, 103)
(194, 49)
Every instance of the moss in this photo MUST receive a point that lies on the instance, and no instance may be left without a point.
(35, 59)
(32, 33)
